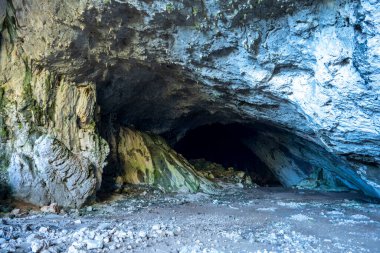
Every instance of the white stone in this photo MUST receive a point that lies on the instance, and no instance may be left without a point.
(142, 234)
(106, 239)
(16, 211)
(72, 249)
(43, 230)
(156, 227)
(36, 246)
(93, 244)
(52, 208)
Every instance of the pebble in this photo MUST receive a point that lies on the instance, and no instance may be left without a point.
(240, 185)
(37, 246)
(72, 249)
(106, 239)
(16, 211)
(240, 174)
(94, 244)
(31, 238)
(142, 234)
(156, 227)
(169, 233)
(43, 230)
(52, 208)
(130, 234)
(103, 226)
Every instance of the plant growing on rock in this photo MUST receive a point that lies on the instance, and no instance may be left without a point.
(170, 8)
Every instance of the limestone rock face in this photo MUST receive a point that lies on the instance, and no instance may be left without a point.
(308, 68)
(297, 163)
(147, 159)
(52, 175)
(50, 149)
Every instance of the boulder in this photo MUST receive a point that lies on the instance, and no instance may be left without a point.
(52, 175)
(147, 159)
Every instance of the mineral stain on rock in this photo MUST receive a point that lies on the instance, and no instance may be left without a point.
(143, 107)
(148, 159)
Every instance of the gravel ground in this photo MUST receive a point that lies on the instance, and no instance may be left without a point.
(239, 220)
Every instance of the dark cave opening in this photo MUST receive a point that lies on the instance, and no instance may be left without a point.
(223, 144)
(152, 101)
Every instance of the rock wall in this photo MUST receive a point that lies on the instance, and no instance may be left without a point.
(298, 163)
(311, 68)
(51, 151)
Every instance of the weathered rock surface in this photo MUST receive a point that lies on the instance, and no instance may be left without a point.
(51, 151)
(147, 159)
(3, 9)
(57, 175)
(308, 68)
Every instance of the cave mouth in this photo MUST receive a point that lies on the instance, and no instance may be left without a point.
(151, 99)
(223, 144)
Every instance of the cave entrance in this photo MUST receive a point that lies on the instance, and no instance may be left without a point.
(224, 145)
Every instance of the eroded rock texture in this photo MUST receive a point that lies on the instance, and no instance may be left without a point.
(141, 158)
(308, 68)
(57, 175)
(51, 151)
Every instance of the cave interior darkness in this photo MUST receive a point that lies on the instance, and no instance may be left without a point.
(223, 144)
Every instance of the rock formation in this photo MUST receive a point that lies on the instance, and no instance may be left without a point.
(147, 159)
(305, 73)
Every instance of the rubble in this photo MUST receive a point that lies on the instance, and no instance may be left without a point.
(259, 219)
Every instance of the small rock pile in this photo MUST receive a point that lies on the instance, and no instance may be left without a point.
(104, 237)
(284, 238)
(115, 238)
(217, 173)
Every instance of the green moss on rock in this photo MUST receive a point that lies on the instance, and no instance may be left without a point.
(3, 128)
(33, 112)
(148, 159)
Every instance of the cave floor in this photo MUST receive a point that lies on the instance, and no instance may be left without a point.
(239, 220)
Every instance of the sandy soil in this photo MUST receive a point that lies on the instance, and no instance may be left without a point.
(239, 220)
